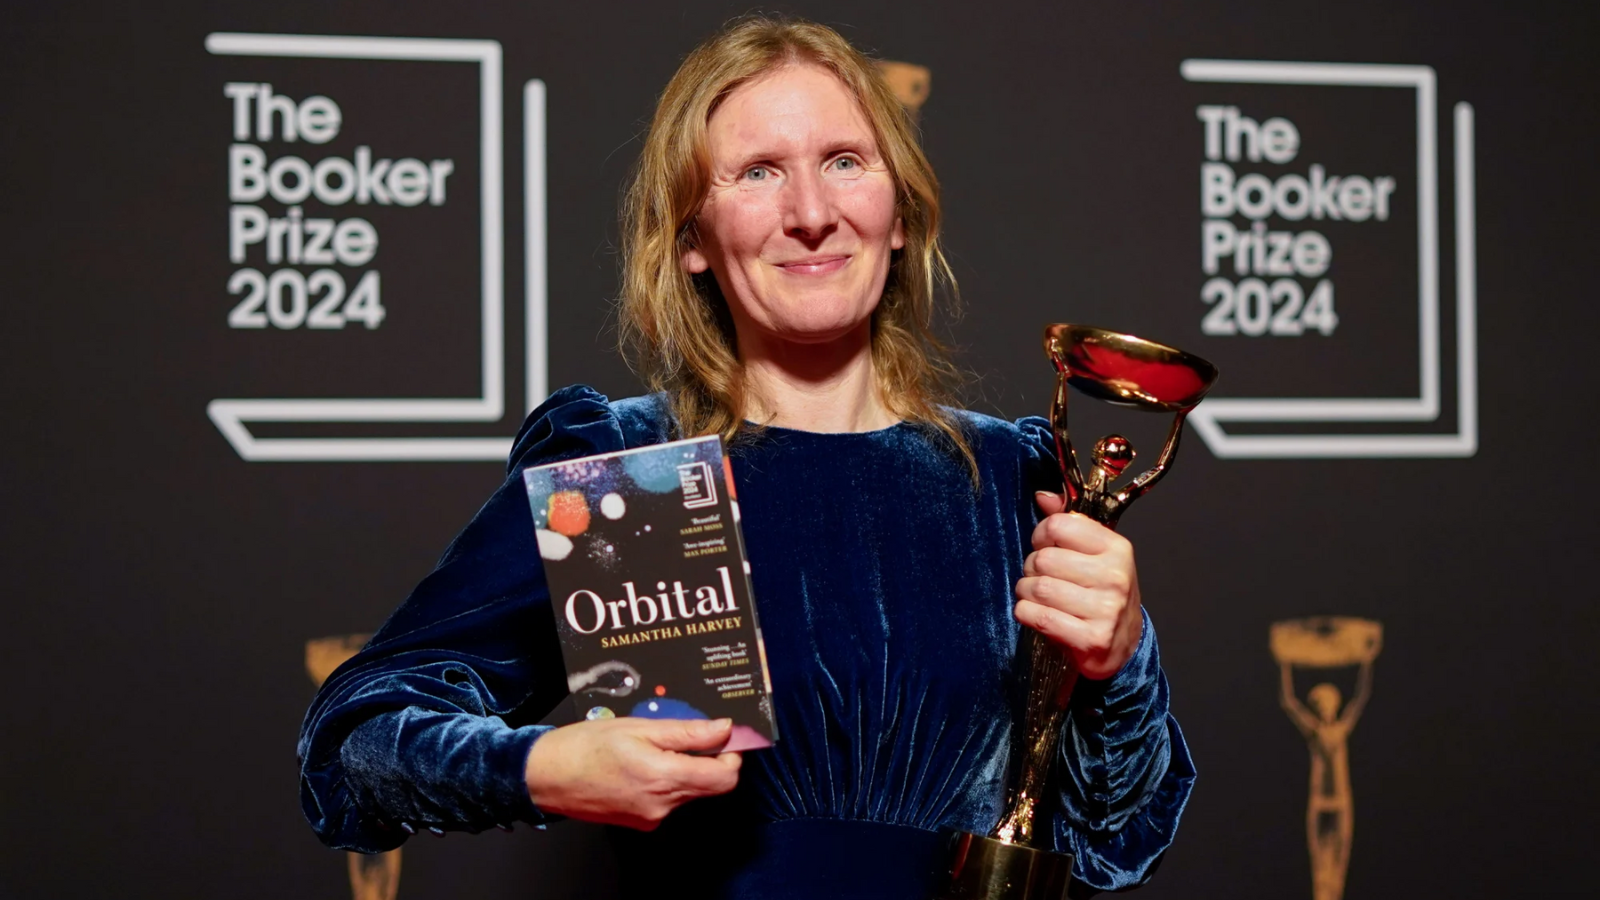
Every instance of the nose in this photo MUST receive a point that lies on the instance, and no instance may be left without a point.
(810, 213)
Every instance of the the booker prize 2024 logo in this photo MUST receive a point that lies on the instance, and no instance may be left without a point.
(1298, 295)
(1319, 260)
(365, 196)
(264, 124)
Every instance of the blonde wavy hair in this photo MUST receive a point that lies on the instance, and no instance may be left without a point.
(676, 328)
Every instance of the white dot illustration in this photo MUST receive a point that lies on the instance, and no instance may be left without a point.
(553, 545)
(612, 506)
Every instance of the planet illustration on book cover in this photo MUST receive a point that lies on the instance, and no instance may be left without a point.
(666, 708)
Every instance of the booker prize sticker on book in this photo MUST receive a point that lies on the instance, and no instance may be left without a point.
(650, 587)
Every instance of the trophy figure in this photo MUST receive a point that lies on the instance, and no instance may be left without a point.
(1013, 862)
(1327, 643)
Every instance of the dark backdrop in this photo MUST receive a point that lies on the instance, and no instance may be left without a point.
(160, 589)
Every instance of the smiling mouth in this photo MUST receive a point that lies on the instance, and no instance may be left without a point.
(815, 265)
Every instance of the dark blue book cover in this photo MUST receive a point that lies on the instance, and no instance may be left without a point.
(651, 588)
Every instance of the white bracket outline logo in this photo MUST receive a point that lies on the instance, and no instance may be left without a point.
(1209, 415)
(230, 415)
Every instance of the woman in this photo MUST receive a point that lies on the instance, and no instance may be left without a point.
(782, 252)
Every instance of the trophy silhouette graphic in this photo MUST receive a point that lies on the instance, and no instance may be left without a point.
(1009, 863)
(1327, 642)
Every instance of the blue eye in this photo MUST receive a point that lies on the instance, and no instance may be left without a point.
(756, 173)
(846, 163)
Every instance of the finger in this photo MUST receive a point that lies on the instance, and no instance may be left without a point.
(688, 734)
(1091, 571)
(1060, 627)
(1062, 596)
(704, 775)
(1073, 531)
(1059, 562)
(1049, 503)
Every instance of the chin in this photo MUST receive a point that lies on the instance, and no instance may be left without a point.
(821, 319)
(820, 329)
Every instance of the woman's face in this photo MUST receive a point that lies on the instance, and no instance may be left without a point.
(799, 223)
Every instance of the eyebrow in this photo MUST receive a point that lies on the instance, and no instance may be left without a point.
(868, 148)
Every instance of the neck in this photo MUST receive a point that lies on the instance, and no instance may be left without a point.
(825, 387)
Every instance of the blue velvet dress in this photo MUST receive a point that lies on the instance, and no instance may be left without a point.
(885, 589)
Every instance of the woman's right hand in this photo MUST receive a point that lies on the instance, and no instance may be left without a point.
(629, 771)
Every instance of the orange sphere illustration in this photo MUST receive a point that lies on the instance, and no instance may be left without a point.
(569, 513)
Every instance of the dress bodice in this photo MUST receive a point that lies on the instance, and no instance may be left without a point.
(884, 578)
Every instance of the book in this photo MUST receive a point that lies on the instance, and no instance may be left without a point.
(650, 587)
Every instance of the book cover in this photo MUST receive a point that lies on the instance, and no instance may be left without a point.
(650, 587)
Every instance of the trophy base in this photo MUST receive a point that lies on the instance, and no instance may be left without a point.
(982, 868)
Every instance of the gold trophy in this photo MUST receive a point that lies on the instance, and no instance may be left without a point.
(1009, 863)
(1327, 642)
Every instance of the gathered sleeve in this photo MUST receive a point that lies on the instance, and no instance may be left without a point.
(1123, 768)
(410, 732)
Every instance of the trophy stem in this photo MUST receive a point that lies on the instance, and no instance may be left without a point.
(1050, 677)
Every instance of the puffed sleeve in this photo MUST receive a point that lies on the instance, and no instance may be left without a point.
(1124, 770)
(409, 733)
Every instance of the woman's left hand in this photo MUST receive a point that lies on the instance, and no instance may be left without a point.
(1081, 589)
